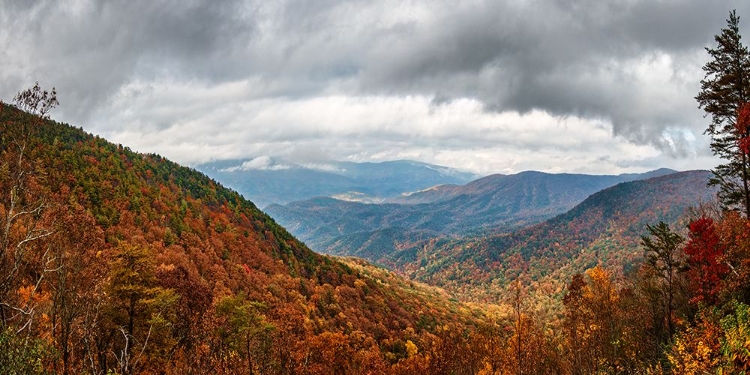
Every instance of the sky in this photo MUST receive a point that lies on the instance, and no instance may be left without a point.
(585, 86)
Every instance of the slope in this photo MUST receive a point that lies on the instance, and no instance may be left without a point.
(132, 263)
(493, 203)
(604, 229)
(575, 187)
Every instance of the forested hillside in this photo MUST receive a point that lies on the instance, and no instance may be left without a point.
(119, 262)
(125, 262)
(605, 230)
(497, 203)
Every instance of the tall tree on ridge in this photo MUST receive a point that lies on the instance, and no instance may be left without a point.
(725, 90)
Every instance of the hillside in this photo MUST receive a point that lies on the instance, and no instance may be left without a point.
(131, 263)
(604, 229)
(494, 203)
(114, 261)
(265, 180)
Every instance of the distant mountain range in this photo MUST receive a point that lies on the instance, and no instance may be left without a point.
(497, 203)
(604, 229)
(265, 180)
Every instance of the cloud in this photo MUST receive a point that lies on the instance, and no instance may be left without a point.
(313, 80)
(457, 133)
(262, 163)
(89, 49)
(326, 167)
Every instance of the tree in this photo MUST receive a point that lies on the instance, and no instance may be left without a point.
(76, 285)
(663, 255)
(735, 346)
(575, 326)
(705, 257)
(696, 350)
(602, 299)
(241, 324)
(725, 90)
(193, 307)
(138, 308)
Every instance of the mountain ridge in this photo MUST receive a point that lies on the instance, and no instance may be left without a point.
(275, 181)
(489, 204)
(604, 229)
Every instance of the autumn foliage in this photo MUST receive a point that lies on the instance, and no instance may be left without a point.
(120, 262)
(706, 259)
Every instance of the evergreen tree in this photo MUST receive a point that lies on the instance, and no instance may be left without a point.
(725, 89)
(662, 252)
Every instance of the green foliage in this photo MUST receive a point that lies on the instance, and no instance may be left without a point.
(735, 345)
(21, 355)
(244, 331)
(724, 90)
(661, 249)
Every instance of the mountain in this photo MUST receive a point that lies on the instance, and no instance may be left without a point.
(574, 186)
(266, 180)
(604, 229)
(130, 263)
(493, 203)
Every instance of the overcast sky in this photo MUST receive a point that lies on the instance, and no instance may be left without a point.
(593, 86)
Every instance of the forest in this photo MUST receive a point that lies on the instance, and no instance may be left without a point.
(112, 261)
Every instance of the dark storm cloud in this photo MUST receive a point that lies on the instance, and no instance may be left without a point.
(564, 57)
(88, 49)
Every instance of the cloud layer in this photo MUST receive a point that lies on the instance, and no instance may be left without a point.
(491, 86)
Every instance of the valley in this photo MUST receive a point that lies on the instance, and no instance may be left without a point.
(374, 187)
(196, 277)
(504, 212)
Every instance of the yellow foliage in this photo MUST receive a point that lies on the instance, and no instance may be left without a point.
(487, 369)
(24, 293)
(696, 351)
(600, 286)
(411, 349)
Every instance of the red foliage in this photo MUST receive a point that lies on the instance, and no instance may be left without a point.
(743, 128)
(706, 259)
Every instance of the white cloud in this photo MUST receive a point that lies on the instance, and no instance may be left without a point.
(326, 167)
(458, 133)
(263, 163)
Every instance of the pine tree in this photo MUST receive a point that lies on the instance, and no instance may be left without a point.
(725, 89)
(662, 252)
